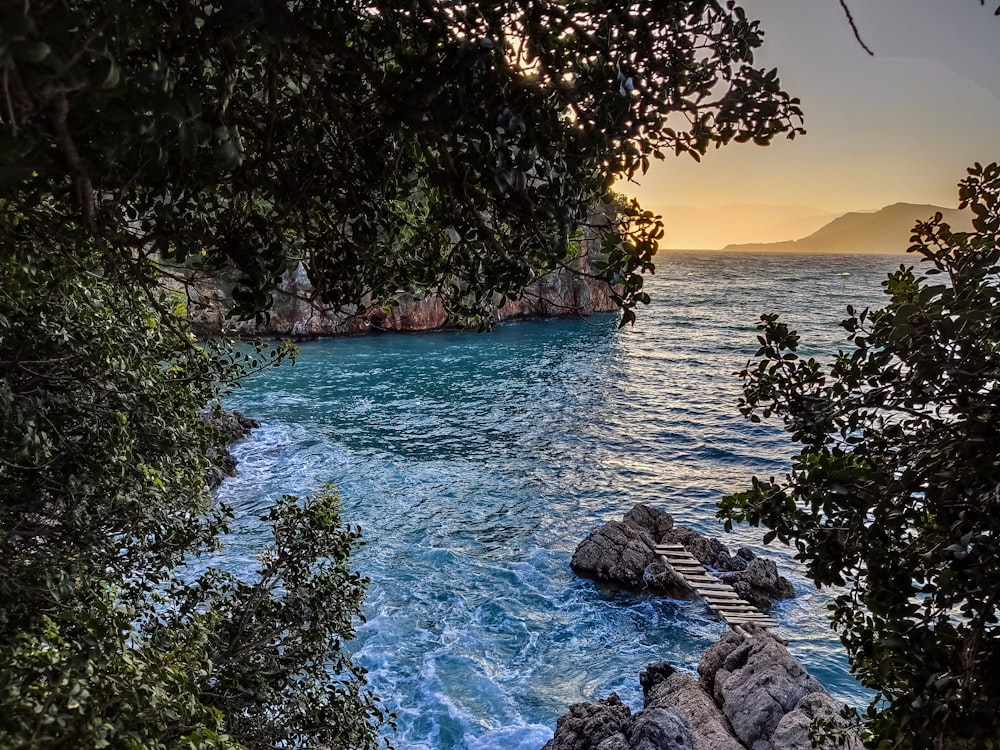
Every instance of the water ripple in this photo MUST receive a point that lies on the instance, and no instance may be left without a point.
(476, 463)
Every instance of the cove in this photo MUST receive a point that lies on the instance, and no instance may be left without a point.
(475, 463)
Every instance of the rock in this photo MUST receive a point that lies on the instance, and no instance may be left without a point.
(298, 314)
(234, 425)
(710, 729)
(760, 583)
(231, 426)
(621, 553)
(751, 695)
(653, 522)
(793, 729)
(655, 675)
(587, 726)
(615, 553)
(411, 314)
(755, 682)
(659, 729)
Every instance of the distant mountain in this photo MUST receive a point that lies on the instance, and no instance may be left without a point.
(886, 231)
(690, 227)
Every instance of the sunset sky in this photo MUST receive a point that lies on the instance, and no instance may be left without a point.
(900, 126)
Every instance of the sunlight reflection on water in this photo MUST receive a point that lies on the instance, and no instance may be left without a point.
(476, 463)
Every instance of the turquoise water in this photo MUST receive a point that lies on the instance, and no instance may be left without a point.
(475, 463)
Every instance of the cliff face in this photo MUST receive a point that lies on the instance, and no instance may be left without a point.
(571, 291)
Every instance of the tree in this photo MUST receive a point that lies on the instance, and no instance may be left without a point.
(388, 146)
(895, 494)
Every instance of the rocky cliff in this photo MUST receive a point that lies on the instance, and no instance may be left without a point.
(750, 694)
(569, 291)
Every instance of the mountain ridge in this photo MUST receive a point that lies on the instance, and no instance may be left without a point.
(885, 231)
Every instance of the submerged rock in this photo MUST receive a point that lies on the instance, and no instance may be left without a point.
(751, 695)
(622, 554)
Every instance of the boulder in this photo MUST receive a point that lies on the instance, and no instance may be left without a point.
(710, 729)
(793, 729)
(751, 695)
(759, 583)
(588, 726)
(756, 683)
(614, 553)
(621, 553)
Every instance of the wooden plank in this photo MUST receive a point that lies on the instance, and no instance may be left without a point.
(715, 586)
(719, 596)
(732, 619)
(671, 547)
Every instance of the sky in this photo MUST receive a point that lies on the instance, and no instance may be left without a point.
(900, 126)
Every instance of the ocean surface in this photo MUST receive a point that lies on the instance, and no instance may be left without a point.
(475, 463)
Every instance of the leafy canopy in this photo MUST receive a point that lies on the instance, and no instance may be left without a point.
(387, 145)
(895, 494)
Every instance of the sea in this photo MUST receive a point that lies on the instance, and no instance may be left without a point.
(476, 462)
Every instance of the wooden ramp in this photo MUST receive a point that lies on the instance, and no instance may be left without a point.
(720, 597)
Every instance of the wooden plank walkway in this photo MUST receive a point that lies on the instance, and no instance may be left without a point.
(720, 597)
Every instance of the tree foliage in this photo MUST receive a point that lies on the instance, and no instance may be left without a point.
(387, 146)
(895, 494)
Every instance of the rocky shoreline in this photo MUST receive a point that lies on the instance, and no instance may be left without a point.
(231, 427)
(750, 692)
(297, 315)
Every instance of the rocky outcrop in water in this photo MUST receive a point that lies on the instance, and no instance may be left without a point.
(750, 694)
(231, 427)
(621, 554)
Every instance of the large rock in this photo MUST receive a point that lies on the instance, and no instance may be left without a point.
(710, 729)
(793, 729)
(588, 726)
(230, 427)
(614, 553)
(622, 554)
(759, 583)
(751, 695)
(767, 696)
